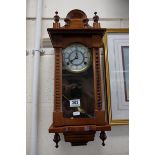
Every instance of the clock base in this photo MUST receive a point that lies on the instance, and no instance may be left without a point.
(79, 135)
(79, 138)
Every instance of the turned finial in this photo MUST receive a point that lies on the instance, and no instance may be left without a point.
(56, 17)
(96, 17)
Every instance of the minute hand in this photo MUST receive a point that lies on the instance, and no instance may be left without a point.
(76, 55)
(72, 60)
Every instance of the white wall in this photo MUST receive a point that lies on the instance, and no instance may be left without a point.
(105, 8)
(117, 141)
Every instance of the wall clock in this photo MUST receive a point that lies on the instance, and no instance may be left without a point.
(79, 101)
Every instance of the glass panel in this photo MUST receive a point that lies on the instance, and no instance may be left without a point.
(125, 62)
(78, 99)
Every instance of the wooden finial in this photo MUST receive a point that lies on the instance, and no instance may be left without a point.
(96, 17)
(96, 24)
(56, 17)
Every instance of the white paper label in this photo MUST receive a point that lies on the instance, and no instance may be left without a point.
(75, 103)
(76, 113)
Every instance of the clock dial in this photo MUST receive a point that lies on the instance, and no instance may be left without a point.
(76, 58)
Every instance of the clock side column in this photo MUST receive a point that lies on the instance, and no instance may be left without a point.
(97, 79)
(58, 80)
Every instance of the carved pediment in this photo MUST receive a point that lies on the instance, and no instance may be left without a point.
(76, 19)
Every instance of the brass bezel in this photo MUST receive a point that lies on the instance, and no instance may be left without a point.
(107, 74)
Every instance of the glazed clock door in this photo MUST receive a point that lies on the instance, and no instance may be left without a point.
(77, 82)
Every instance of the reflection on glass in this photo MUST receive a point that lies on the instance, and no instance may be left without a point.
(78, 87)
(125, 62)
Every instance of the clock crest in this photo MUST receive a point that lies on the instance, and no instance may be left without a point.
(78, 95)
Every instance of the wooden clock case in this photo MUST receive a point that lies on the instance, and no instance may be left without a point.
(78, 131)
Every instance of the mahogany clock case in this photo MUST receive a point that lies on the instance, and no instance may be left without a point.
(86, 85)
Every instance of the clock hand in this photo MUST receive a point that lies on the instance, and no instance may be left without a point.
(76, 55)
(72, 60)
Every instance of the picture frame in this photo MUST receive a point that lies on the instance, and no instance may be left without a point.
(116, 58)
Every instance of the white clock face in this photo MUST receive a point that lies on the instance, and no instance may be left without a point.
(76, 58)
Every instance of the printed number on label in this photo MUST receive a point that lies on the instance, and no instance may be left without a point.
(75, 103)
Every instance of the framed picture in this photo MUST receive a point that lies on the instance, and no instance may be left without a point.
(116, 58)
